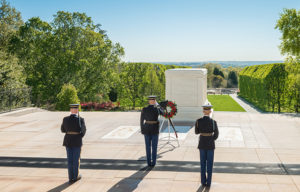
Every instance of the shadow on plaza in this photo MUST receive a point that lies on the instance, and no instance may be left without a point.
(295, 115)
(160, 153)
(130, 183)
(162, 165)
(60, 187)
(203, 189)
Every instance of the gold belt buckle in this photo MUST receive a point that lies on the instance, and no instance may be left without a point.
(206, 134)
(72, 133)
(151, 122)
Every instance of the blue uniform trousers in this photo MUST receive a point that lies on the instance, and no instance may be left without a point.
(151, 142)
(206, 162)
(73, 155)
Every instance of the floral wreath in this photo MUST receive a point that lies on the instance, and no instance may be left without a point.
(173, 111)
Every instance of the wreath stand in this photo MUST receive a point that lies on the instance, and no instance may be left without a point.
(168, 138)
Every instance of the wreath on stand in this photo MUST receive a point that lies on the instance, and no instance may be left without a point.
(173, 111)
(168, 114)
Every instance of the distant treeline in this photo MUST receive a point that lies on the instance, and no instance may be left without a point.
(224, 64)
(219, 77)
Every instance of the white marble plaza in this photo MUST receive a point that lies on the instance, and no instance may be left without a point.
(122, 132)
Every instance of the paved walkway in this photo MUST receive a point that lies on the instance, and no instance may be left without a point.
(255, 152)
(247, 106)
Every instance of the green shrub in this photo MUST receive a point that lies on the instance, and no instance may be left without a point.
(67, 95)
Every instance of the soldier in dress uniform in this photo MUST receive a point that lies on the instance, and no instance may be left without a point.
(74, 128)
(150, 128)
(208, 130)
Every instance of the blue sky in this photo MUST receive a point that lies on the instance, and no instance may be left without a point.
(179, 30)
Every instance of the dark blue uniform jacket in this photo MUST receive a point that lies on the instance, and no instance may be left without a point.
(71, 123)
(205, 125)
(150, 113)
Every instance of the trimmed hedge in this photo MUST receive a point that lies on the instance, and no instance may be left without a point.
(266, 87)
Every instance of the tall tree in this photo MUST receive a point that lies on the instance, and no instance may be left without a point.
(138, 80)
(217, 71)
(277, 81)
(10, 21)
(217, 81)
(33, 46)
(133, 82)
(11, 76)
(71, 49)
(155, 80)
(10, 72)
(232, 81)
(289, 26)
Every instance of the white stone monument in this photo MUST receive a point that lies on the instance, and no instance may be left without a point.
(187, 88)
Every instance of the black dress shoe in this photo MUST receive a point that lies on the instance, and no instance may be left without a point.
(71, 182)
(78, 178)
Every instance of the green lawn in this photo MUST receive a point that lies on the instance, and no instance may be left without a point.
(224, 103)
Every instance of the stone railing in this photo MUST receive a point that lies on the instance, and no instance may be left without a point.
(222, 91)
(14, 98)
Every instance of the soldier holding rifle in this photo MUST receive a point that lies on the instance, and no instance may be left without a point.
(74, 128)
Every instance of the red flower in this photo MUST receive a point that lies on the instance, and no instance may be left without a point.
(173, 111)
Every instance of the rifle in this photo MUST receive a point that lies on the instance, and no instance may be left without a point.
(79, 122)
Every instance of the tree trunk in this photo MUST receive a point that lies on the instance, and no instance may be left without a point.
(278, 95)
